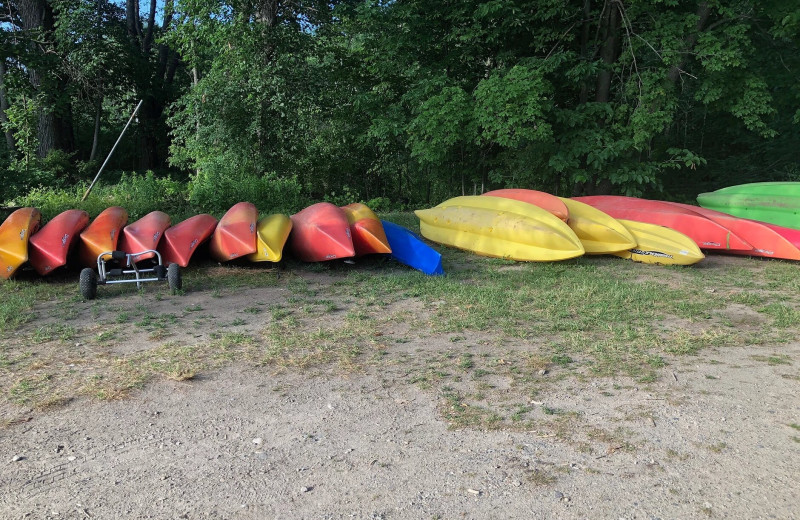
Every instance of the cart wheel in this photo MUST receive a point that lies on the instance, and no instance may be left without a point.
(174, 277)
(88, 283)
(160, 271)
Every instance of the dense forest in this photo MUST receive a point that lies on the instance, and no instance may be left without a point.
(400, 102)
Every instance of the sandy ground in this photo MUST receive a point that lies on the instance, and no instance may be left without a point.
(717, 435)
(711, 439)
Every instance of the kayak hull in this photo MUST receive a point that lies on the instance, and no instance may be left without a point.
(766, 241)
(101, 235)
(774, 202)
(546, 201)
(366, 230)
(15, 233)
(599, 232)
(408, 249)
(500, 227)
(660, 245)
(272, 232)
(144, 234)
(182, 240)
(235, 234)
(706, 233)
(321, 232)
(50, 247)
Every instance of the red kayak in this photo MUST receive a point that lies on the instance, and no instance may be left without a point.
(15, 232)
(101, 235)
(366, 230)
(705, 232)
(50, 247)
(547, 202)
(235, 234)
(181, 240)
(766, 241)
(321, 232)
(144, 234)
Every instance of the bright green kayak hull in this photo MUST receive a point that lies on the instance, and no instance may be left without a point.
(773, 202)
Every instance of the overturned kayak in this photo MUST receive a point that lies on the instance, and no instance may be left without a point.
(774, 202)
(599, 232)
(767, 240)
(500, 227)
(101, 235)
(546, 201)
(182, 240)
(366, 230)
(705, 232)
(235, 234)
(321, 232)
(50, 247)
(660, 245)
(15, 232)
(272, 232)
(144, 234)
(410, 250)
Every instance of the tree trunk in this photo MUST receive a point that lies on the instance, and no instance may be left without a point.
(96, 138)
(703, 12)
(4, 106)
(583, 97)
(609, 52)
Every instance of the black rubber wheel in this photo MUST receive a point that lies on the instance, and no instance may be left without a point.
(88, 283)
(160, 272)
(174, 277)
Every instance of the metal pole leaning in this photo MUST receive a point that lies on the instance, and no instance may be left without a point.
(112, 151)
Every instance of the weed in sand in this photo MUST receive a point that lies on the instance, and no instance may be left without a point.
(773, 360)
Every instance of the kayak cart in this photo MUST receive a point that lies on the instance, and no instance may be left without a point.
(130, 273)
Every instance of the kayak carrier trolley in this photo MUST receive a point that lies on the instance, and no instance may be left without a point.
(90, 278)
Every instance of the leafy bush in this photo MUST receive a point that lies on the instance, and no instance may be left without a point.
(139, 194)
(216, 191)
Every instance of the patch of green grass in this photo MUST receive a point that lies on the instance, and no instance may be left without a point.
(53, 331)
(783, 316)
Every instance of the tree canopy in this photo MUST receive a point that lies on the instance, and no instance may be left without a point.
(407, 100)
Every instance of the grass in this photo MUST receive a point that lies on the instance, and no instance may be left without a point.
(488, 337)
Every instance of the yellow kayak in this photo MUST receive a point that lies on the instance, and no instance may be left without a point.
(14, 234)
(500, 227)
(599, 233)
(660, 245)
(271, 235)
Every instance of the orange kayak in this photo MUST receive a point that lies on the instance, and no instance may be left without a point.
(705, 232)
(181, 240)
(235, 234)
(766, 241)
(321, 232)
(15, 232)
(144, 234)
(547, 202)
(50, 247)
(366, 230)
(101, 235)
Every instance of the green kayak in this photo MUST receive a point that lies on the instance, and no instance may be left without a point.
(773, 202)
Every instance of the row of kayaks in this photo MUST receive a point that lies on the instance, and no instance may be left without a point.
(318, 233)
(517, 224)
(530, 225)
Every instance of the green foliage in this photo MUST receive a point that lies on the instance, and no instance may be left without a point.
(139, 194)
(217, 192)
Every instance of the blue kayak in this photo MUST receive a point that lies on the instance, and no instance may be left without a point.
(409, 249)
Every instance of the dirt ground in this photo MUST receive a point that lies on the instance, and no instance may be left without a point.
(715, 436)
